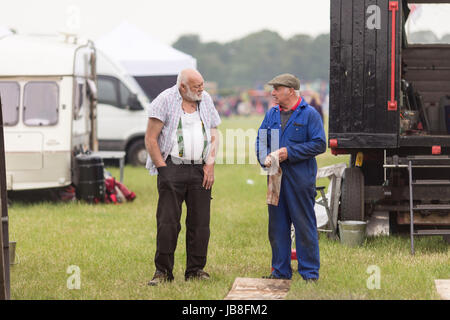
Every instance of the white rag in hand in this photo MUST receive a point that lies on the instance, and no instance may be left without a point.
(275, 173)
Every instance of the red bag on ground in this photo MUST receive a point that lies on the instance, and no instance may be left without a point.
(129, 195)
(115, 190)
(110, 194)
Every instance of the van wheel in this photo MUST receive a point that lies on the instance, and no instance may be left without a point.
(137, 153)
(352, 196)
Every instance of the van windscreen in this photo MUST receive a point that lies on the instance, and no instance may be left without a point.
(10, 97)
(40, 103)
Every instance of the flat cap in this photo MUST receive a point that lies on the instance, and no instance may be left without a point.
(286, 80)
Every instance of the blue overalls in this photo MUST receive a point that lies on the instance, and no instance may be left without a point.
(304, 138)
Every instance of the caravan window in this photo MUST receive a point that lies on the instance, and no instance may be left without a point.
(10, 97)
(107, 90)
(40, 103)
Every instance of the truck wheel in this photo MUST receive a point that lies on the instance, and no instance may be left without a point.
(137, 153)
(352, 195)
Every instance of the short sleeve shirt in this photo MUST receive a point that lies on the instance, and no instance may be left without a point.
(166, 107)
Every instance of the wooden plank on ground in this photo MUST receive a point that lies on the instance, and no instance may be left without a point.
(258, 289)
(443, 288)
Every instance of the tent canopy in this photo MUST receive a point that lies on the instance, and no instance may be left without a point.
(4, 31)
(141, 55)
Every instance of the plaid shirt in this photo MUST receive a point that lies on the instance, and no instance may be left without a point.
(167, 108)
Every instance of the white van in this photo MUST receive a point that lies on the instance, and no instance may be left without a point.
(121, 111)
(47, 89)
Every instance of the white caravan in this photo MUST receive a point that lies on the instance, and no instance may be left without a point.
(121, 111)
(47, 88)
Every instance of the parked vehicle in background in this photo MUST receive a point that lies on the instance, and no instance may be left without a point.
(121, 111)
(47, 88)
(389, 109)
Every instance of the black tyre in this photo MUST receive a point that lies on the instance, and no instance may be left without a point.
(137, 153)
(352, 195)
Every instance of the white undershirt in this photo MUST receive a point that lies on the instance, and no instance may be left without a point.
(192, 137)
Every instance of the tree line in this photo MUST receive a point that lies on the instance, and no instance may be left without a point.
(255, 59)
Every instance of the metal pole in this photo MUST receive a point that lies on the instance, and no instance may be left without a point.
(411, 213)
(93, 100)
(4, 242)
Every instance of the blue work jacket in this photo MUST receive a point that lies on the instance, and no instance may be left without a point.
(304, 138)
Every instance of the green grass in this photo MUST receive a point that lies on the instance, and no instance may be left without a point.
(114, 247)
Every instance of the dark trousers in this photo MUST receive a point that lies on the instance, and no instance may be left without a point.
(178, 183)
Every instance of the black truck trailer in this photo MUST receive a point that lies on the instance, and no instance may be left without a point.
(390, 111)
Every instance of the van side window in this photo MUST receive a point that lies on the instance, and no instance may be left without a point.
(10, 97)
(80, 96)
(40, 103)
(125, 95)
(107, 90)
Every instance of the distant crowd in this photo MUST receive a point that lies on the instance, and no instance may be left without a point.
(259, 101)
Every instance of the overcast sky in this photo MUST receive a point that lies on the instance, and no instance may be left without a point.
(166, 20)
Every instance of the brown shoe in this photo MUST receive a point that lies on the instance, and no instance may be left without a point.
(160, 277)
(197, 275)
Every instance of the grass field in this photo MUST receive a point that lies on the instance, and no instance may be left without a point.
(114, 246)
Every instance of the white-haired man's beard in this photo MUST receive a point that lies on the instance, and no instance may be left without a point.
(192, 96)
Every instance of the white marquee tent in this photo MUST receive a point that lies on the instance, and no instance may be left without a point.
(155, 65)
(4, 31)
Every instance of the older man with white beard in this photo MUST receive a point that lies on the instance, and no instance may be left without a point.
(181, 140)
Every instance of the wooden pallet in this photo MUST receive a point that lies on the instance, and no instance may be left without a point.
(443, 288)
(258, 289)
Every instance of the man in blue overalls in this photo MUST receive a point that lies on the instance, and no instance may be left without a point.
(294, 131)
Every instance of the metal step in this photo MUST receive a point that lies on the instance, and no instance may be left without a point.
(432, 207)
(418, 161)
(431, 182)
(428, 157)
(434, 232)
